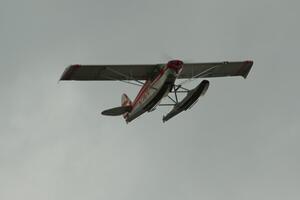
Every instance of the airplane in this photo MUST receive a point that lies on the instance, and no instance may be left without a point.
(157, 81)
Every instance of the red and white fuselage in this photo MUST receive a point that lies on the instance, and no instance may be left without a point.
(155, 89)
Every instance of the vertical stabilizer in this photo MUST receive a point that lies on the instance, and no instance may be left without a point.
(125, 101)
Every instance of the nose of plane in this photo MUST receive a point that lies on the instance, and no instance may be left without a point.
(175, 65)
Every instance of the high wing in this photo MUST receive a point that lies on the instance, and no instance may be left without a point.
(107, 72)
(144, 71)
(218, 69)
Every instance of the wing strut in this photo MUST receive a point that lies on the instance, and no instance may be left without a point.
(201, 74)
(139, 83)
(128, 82)
(175, 89)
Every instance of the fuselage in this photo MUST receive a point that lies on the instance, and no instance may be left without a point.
(155, 89)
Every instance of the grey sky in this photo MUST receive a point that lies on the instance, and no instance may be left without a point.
(241, 141)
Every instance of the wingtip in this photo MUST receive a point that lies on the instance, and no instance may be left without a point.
(67, 74)
(248, 64)
(64, 74)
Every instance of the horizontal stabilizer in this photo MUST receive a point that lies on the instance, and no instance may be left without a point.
(117, 111)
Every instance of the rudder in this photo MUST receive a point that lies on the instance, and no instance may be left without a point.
(126, 102)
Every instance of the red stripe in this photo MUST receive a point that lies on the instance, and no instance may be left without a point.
(146, 87)
(141, 92)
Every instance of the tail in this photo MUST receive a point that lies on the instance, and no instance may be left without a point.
(126, 102)
(124, 109)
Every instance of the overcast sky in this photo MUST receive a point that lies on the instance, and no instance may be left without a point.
(240, 141)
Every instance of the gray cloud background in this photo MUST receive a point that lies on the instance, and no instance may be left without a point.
(241, 141)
